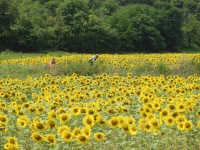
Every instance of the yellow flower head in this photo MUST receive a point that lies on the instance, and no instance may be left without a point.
(164, 113)
(67, 136)
(86, 131)
(52, 114)
(88, 120)
(12, 140)
(76, 131)
(82, 139)
(101, 121)
(180, 126)
(114, 122)
(98, 136)
(169, 120)
(147, 127)
(3, 118)
(3, 127)
(51, 123)
(23, 121)
(37, 137)
(63, 128)
(39, 126)
(198, 124)
(64, 118)
(50, 138)
(75, 111)
(154, 123)
(132, 129)
(9, 146)
(188, 125)
(125, 126)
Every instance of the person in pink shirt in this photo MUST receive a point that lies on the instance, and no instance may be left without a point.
(52, 63)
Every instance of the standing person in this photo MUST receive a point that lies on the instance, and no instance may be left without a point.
(93, 59)
(52, 63)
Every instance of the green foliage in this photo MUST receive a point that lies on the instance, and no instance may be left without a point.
(126, 2)
(168, 21)
(8, 14)
(24, 34)
(137, 30)
(191, 30)
(162, 69)
(99, 25)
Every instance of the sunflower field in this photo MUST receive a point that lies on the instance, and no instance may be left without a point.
(136, 101)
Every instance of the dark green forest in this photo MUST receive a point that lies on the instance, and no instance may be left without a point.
(99, 26)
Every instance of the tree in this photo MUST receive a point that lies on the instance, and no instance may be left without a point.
(25, 35)
(74, 18)
(99, 37)
(191, 30)
(8, 14)
(168, 21)
(126, 2)
(136, 29)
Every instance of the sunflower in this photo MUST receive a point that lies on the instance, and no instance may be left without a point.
(164, 113)
(111, 111)
(52, 114)
(188, 125)
(98, 95)
(198, 114)
(61, 110)
(3, 119)
(39, 126)
(180, 118)
(181, 108)
(86, 131)
(67, 136)
(142, 122)
(169, 120)
(32, 109)
(12, 140)
(147, 127)
(114, 122)
(98, 136)
(198, 124)
(9, 146)
(125, 126)
(132, 129)
(40, 109)
(37, 137)
(51, 123)
(83, 110)
(61, 129)
(82, 139)
(23, 121)
(171, 107)
(90, 111)
(88, 120)
(75, 111)
(190, 109)
(76, 131)
(50, 138)
(154, 123)
(180, 126)
(143, 113)
(175, 114)
(101, 121)
(3, 127)
(64, 117)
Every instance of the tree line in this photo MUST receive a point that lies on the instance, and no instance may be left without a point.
(98, 26)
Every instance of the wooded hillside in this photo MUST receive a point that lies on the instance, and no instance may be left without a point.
(92, 26)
